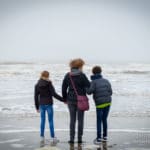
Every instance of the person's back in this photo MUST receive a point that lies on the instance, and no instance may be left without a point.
(80, 81)
(101, 89)
(44, 92)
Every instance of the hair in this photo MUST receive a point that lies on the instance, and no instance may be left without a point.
(76, 63)
(96, 70)
(45, 74)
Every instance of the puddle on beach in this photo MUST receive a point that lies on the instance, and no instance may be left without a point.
(17, 145)
(137, 148)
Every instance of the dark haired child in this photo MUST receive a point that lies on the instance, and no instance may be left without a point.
(102, 92)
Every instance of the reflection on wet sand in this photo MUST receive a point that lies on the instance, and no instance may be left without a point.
(102, 146)
(72, 147)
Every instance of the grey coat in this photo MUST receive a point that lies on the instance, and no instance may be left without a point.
(101, 90)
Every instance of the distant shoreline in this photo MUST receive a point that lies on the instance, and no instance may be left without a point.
(67, 61)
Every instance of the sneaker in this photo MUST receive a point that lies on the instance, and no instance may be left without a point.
(105, 139)
(42, 139)
(42, 142)
(97, 141)
(55, 140)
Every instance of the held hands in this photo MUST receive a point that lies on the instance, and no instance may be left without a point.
(65, 102)
(38, 111)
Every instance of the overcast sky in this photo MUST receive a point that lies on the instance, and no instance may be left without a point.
(97, 30)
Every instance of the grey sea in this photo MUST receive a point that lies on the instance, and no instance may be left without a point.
(130, 83)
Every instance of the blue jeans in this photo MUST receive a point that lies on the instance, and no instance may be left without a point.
(49, 109)
(102, 114)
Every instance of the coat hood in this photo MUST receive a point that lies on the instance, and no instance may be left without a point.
(43, 83)
(96, 76)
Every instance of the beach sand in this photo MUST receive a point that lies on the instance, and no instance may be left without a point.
(125, 133)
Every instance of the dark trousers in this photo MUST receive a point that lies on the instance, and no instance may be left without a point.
(102, 114)
(76, 114)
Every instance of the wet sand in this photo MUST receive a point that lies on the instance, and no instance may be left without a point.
(125, 133)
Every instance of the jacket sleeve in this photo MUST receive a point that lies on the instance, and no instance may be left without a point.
(110, 89)
(91, 89)
(86, 82)
(52, 89)
(36, 97)
(65, 87)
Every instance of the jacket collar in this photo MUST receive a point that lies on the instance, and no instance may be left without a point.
(96, 76)
(75, 71)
